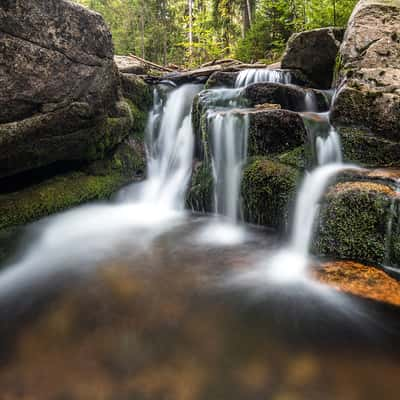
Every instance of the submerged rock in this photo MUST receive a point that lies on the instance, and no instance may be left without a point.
(314, 53)
(360, 280)
(368, 70)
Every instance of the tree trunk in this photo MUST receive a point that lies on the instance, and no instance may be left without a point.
(190, 29)
(142, 30)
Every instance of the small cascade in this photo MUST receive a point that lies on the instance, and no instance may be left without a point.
(329, 148)
(228, 132)
(222, 98)
(310, 101)
(249, 76)
(323, 138)
(169, 147)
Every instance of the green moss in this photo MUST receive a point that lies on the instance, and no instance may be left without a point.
(8, 242)
(200, 195)
(353, 222)
(99, 181)
(127, 160)
(137, 91)
(108, 134)
(300, 157)
(267, 188)
(367, 149)
(56, 195)
(139, 118)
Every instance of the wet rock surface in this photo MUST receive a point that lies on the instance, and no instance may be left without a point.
(368, 72)
(314, 53)
(360, 280)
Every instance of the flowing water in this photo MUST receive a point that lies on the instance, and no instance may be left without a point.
(169, 146)
(228, 132)
(249, 76)
(121, 301)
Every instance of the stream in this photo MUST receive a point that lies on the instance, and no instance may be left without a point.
(138, 298)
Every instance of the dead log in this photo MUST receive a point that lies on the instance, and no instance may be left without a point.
(151, 64)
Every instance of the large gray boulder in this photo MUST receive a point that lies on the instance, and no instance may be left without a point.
(314, 53)
(59, 97)
(369, 73)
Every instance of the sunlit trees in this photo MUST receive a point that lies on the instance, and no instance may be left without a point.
(190, 32)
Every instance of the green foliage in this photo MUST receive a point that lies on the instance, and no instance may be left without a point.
(191, 32)
(276, 20)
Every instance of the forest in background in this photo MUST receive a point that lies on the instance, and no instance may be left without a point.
(191, 32)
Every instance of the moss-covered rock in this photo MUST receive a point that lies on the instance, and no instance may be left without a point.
(365, 148)
(300, 157)
(200, 194)
(137, 91)
(271, 131)
(267, 190)
(353, 222)
(68, 134)
(274, 131)
(99, 181)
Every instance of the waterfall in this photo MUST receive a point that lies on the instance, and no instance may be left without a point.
(249, 76)
(310, 101)
(228, 132)
(329, 148)
(169, 148)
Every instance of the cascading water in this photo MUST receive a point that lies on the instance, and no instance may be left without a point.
(290, 263)
(169, 147)
(249, 76)
(228, 132)
(329, 164)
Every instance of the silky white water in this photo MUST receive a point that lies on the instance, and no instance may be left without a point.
(249, 76)
(169, 147)
(228, 132)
